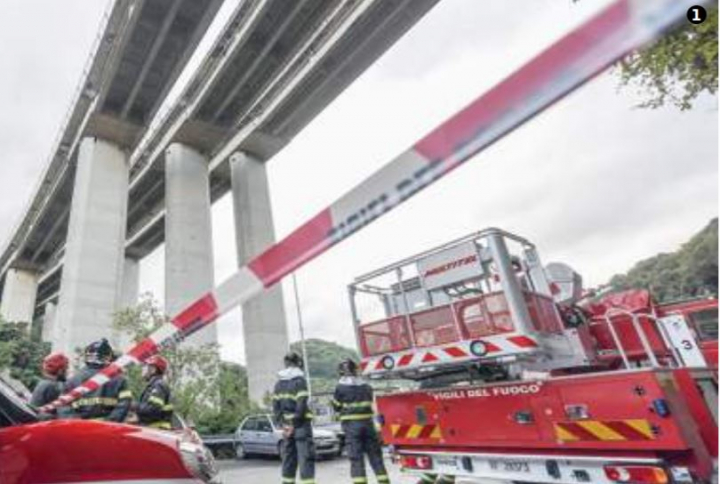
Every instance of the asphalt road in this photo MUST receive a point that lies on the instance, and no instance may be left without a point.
(267, 471)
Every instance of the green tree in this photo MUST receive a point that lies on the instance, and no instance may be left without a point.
(20, 354)
(234, 402)
(193, 374)
(678, 67)
(323, 359)
(690, 271)
(209, 393)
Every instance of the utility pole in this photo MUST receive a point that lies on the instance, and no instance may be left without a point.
(302, 335)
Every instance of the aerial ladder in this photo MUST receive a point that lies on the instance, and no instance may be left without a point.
(510, 371)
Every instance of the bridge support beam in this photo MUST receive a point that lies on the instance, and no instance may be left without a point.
(95, 246)
(49, 319)
(264, 321)
(130, 285)
(18, 298)
(189, 269)
(129, 294)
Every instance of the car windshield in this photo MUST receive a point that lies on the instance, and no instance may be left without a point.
(13, 408)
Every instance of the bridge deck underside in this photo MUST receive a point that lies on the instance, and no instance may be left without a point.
(138, 59)
(258, 64)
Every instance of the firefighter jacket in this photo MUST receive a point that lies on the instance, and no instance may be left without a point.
(110, 402)
(154, 408)
(290, 398)
(46, 391)
(353, 399)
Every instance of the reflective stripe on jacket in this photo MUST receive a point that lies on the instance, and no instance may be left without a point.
(290, 398)
(353, 399)
(110, 402)
(154, 407)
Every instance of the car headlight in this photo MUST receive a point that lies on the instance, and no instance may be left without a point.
(198, 460)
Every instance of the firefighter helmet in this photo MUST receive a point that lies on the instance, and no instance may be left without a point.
(99, 353)
(347, 367)
(294, 359)
(55, 363)
(158, 362)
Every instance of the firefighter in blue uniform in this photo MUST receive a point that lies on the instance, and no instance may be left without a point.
(111, 401)
(292, 412)
(353, 402)
(154, 408)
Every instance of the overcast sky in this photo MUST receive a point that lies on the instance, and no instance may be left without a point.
(594, 181)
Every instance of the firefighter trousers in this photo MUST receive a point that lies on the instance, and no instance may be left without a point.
(298, 450)
(362, 439)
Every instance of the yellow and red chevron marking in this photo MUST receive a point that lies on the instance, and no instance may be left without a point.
(611, 430)
(416, 431)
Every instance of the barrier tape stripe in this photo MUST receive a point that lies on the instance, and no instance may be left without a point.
(573, 60)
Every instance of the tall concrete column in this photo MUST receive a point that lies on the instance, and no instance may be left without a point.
(48, 328)
(129, 289)
(18, 298)
(94, 251)
(264, 321)
(129, 284)
(188, 233)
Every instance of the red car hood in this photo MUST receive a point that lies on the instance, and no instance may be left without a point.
(82, 451)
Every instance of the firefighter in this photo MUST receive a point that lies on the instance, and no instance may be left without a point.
(292, 412)
(112, 401)
(154, 408)
(353, 401)
(54, 370)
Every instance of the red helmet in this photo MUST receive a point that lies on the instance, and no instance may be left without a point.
(54, 363)
(158, 362)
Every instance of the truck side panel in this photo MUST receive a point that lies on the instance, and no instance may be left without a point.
(619, 411)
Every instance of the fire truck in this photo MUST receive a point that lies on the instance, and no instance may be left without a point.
(513, 373)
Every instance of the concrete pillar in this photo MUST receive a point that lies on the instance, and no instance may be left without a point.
(130, 283)
(48, 328)
(94, 251)
(129, 292)
(18, 298)
(264, 321)
(188, 233)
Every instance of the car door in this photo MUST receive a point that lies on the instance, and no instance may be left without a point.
(267, 440)
(248, 437)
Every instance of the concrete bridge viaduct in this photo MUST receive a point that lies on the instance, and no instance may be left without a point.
(122, 179)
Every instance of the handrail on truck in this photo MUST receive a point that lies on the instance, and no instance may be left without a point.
(613, 312)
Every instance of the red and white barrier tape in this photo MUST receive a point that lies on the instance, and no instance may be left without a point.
(583, 53)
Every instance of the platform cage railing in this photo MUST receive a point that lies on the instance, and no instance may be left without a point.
(486, 284)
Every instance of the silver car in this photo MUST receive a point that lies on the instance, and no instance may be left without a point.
(259, 435)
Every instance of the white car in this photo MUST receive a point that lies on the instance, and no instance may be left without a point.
(259, 435)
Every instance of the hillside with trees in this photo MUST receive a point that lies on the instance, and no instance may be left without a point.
(323, 359)
(690, 271)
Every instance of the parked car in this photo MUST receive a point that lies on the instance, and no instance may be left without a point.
(61, 451)
(259, 434)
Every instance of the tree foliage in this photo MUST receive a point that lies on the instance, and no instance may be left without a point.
(323, 359)
(209, 393)
(20, 354)
(678, 67)
(688, 272)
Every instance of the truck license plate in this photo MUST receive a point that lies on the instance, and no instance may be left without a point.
(446, 461)
(521, 466)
